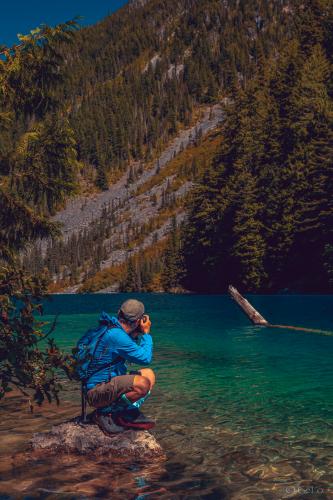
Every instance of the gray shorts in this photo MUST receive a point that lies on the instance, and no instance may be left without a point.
(106, 393)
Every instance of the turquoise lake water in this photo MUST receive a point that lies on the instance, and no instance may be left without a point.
(242, 411)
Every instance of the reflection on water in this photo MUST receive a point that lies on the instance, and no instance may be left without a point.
(242, 412)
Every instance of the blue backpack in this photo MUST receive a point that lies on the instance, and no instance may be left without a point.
(87, 347)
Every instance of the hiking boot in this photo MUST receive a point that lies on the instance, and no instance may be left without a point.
(134, 419)
(107, 424)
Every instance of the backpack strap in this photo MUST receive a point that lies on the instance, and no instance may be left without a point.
(112, 363)
(107, 365)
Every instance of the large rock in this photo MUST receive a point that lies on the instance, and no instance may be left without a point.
(73, 437)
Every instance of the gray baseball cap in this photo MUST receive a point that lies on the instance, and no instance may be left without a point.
(132, 309)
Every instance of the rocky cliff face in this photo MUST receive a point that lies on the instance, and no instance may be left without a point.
(131, 204)
(82, 211)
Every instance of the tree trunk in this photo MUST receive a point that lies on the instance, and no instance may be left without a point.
(246, 307)
(256, 318)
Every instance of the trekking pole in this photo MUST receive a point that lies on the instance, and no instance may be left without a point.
(84, 419)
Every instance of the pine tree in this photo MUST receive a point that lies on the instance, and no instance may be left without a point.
(248, 250)
(172, 264)
(313, 131)
(27, 79)
(131, 283)
(44, 168)
(101, 179)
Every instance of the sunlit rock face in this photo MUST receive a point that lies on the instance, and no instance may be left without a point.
(73, 437)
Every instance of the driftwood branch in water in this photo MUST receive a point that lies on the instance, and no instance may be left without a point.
(246, 307)
(257, 319)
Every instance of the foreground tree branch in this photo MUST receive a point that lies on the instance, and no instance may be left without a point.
(41, 155)
(25, 365)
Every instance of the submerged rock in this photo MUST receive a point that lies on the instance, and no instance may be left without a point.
(279, 471)
(73, 437)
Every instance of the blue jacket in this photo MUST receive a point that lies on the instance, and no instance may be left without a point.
(116, 342)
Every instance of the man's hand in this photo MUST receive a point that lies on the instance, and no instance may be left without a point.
(145, 324)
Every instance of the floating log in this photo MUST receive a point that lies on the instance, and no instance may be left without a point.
(246, 307)
(257, 319)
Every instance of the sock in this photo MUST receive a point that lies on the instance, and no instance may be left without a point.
(123, 404)
(136, 404)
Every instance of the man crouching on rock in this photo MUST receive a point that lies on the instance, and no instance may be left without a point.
(116, 394)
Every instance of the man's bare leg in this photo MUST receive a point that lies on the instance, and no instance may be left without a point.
(142, 385)
(149, 374)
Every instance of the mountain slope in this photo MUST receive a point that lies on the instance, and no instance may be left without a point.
(108, 225)
(138, 75)
(134, 85)
(81, 211)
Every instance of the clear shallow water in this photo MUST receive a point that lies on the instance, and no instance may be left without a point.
(242, 412)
